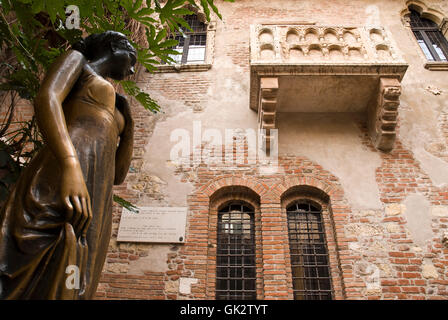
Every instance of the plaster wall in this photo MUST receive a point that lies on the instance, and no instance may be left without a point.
(219, 99)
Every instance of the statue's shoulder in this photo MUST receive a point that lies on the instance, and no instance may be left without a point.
(64, 72)
(71, 59)
(74, 54)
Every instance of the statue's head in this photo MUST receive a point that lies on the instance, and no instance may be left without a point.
(121, 55)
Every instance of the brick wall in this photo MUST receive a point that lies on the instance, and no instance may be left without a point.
(357, 240)
(23, 111)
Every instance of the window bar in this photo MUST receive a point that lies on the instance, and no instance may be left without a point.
(440, 44)
(191, 40)
(423, 46)
(235, 261)
(429, 45)
(309, 256)
(185, 51)
(429, 37)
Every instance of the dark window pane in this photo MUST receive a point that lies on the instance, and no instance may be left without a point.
(309, 255)
(418, 22)
(432, 42)
(439, 43)
(235, 261)
(194, 23)
(191, 44)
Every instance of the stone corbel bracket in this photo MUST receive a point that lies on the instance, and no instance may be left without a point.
(267, 108)
(383, 114)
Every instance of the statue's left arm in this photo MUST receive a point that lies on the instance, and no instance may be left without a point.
(124, 152)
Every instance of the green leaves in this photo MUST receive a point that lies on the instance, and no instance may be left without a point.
(9, 171)
(13, 156)
(125, 204)
(139, 13)
(172, 14)
(54, 8)
(159, 47)
(131, 88)
(35, 54)
(37, 6)
(22, 81)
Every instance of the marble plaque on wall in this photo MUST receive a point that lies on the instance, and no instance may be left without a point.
(153, 224)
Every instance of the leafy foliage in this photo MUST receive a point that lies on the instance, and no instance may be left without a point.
(40, 22)
(131, 88)
(9, 171)
(125, 204)
(16, 151)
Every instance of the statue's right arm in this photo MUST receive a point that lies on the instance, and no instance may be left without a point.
(56, 86)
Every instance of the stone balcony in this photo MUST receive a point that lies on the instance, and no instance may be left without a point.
(308, 68)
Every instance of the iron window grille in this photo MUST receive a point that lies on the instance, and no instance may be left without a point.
(309, 255)
(235, 260)
(191, 44)
(429, 37)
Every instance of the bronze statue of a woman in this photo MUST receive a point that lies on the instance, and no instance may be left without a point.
(57, 220)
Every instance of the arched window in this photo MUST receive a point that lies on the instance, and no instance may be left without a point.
(235, 261)
(191, 43)
(429, 37)
(309, 254)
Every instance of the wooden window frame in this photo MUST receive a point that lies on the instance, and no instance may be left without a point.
(441, 24)
(209, 32)
(423, 32)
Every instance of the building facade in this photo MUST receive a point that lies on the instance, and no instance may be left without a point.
(348, 103)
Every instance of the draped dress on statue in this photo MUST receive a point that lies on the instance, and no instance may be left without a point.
(38, 247)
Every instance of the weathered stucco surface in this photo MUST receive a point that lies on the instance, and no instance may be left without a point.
(418, 217)
(336, 141)
(329, 139)
(331, 142)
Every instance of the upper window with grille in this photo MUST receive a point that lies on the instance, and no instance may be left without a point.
(192, 44)
(309, 254)
(235, 261)
(429, 37)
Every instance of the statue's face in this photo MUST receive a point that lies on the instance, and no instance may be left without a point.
(123, 60)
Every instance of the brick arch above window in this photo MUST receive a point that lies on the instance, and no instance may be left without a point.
(425, 11)
(309, 184)
(230, 194)
(233, 181)
(310, 194)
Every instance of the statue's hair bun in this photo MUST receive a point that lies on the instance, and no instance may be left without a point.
(94, 44)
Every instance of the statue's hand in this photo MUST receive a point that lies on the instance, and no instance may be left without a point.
(75, 196)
